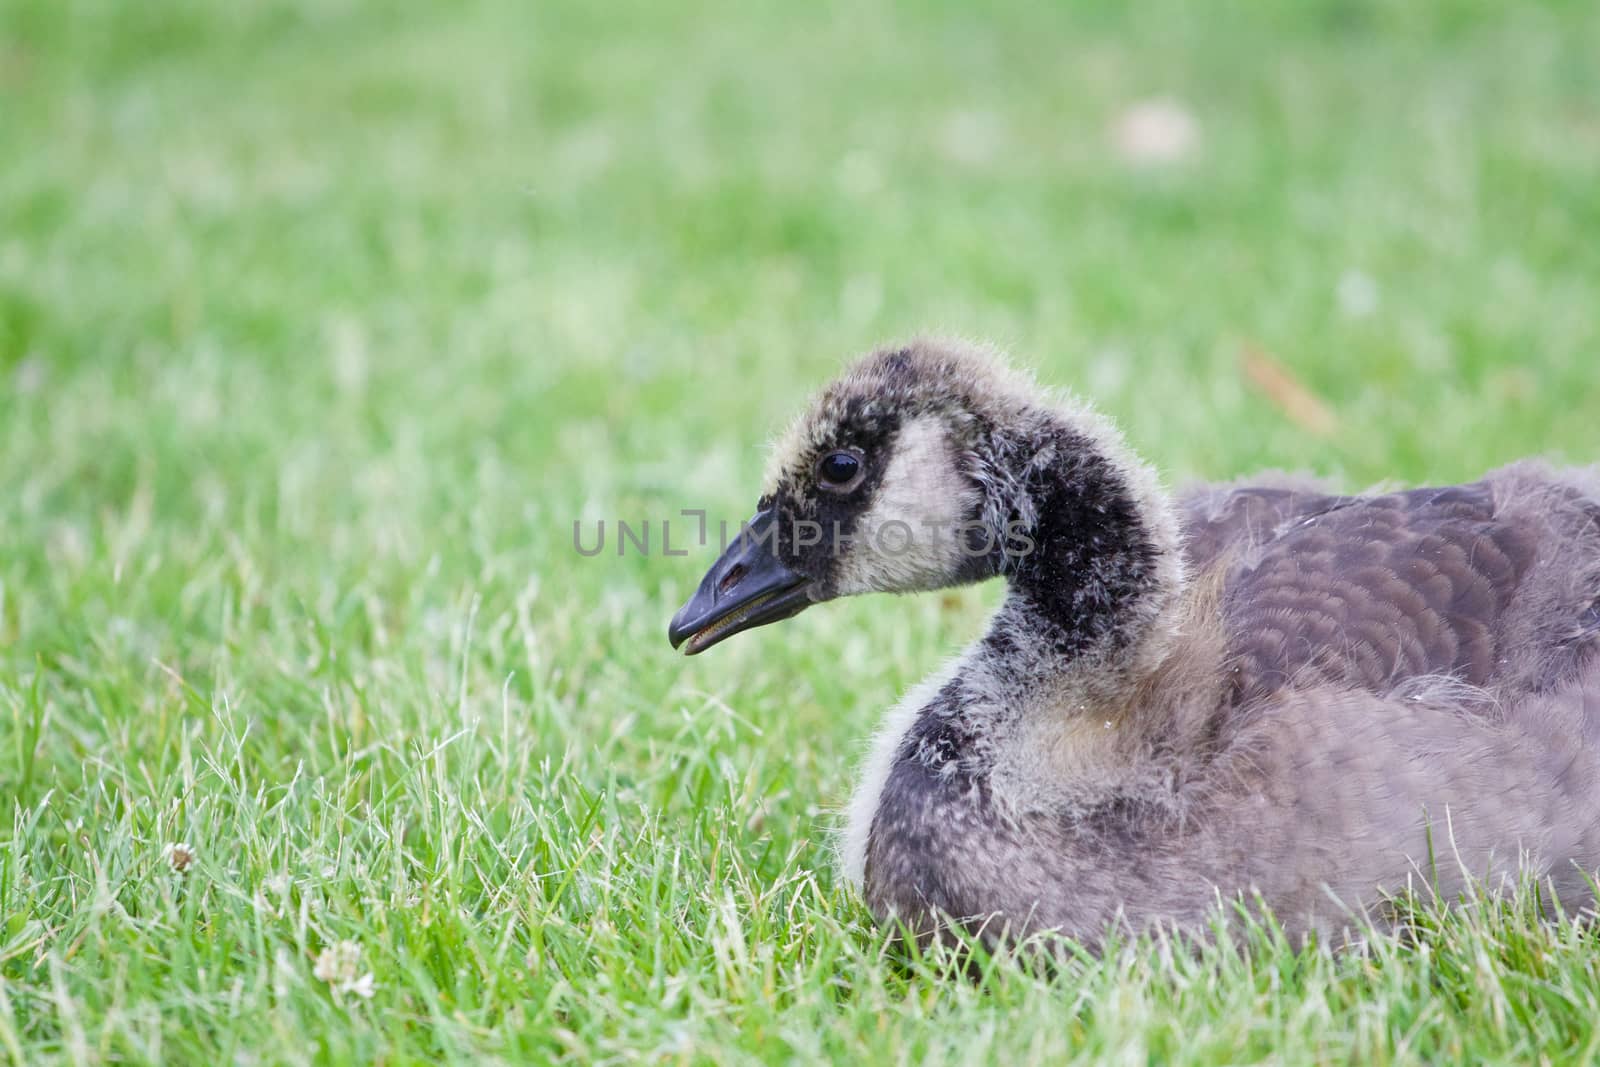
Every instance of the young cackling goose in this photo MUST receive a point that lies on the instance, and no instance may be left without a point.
(1252, 688)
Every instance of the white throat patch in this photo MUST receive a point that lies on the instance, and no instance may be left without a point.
(908, 539)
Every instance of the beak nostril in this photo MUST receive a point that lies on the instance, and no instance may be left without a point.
(731, 579)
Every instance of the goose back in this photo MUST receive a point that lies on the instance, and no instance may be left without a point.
(1491, 585)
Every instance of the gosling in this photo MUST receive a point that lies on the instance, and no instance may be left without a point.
(1261, 692)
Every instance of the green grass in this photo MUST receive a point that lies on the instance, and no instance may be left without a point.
(321, 322)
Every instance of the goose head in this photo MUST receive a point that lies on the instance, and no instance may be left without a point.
(926, 466)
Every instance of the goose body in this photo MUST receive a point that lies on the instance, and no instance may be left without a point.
(1257, 690)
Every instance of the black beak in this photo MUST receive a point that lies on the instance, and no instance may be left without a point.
(748, 586)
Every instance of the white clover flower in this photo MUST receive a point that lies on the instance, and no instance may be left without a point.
(340, 966)
(181, 855)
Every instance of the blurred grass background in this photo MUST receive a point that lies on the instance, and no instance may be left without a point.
(321, 321)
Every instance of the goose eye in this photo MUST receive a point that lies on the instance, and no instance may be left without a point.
(839, 470)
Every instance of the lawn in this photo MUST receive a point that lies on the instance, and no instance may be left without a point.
(323, 321)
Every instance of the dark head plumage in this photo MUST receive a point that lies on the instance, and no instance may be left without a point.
(953, 457)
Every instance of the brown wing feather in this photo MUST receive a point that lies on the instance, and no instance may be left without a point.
(1371, 591)
(1232, 519)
